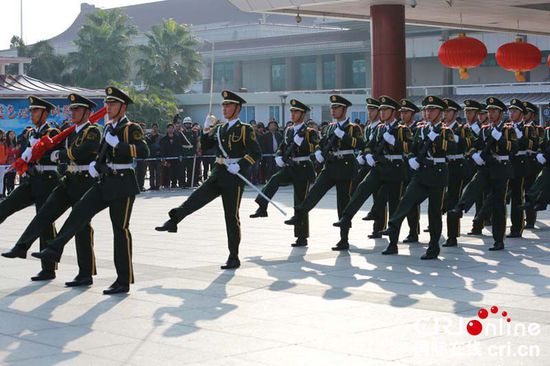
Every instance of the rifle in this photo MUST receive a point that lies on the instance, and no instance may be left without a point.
(423, 153)
(379, 150)
(328, 146)
(101, 164)
(486, 152)
(290, 151)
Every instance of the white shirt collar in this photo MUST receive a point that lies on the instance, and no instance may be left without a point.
(452, 124)
(375, 123)
(296, 127)
(120, 119)
(231, 122)
(341, 123)
(79, 128)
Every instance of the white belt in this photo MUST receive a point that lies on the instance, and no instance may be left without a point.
(437, 160)
(73, 168)
(301, 158)
(520, 153)
(228, 161)
(343, 152)
(393, 157)
(120, 166)
(46, 168)
(455, 157)
(501, 157)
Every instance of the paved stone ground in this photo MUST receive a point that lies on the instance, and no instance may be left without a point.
(284, 306)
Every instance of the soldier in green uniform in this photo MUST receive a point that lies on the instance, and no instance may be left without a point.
(378, 212)
(494, 147)
(538, 196)
(534, 167)
(123, 141)
(42, 177)
(428, 159)
(458, 167)
(337, 150)
(527, 140)
(407, 111)
(237, 150)
(386, 159)
(293, 157)
(80, 150)
(189, 150)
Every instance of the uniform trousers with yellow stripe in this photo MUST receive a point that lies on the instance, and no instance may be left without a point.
(120, 211)
(379, 207)
(220, 183)
(24, 196)
(454, 191)
(64, 196)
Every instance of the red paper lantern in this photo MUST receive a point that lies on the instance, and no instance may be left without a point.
(518, 57)
(462, 53)
(548, 61)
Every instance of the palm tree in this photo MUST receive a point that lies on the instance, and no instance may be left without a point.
(104, 49)
(170, 59)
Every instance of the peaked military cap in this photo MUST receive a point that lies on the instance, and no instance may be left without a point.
(472, 104)
(517, 104)
(373, 103)
(114, 94)
(493, 102)
(231, 98)
(451, 104)
(431, 101)
(531, 107)
(407, 105)
(483, 108)
(337, 100)
(296, 105)
(35, 102)
(76, 100)
(388, 102)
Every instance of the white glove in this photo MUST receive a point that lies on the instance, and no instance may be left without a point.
(279, 161)
(112, 139)
(33, 141)
(208, 122)
(298, 140)
(541, 159)
(496, 135)
(478, 159)
(360, 159)
(93, 172)
(319, 156)
(370, 160)
(338, 132)
(519, 134)
(233, 168)
(414, 164)
(432, 135)
(27, 154)
(390, 139)
(54, 156)
(456, 139)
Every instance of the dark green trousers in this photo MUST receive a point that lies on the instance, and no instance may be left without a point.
(20, 198)
(379, 203)
(301, 187)
(120, 211)
(534, 171)
(496, 199)
(57, 203)
(540, 190)
(374, 184)
(322, 185)
(452, 196)
(230, 188)
(415, 194)
(517, 189)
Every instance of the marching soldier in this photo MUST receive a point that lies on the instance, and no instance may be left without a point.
(386, 159)
(237, 150)
(42, 179)
(527, 140)
(408, 110)
(123, 141)
(189, 150)
(336, 147)
(293, 157)
(538, 196)
(428, 160)
(458, 168)
(494, 147)
(81, 149)
(529, 118)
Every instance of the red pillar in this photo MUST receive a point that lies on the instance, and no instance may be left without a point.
(388, 50)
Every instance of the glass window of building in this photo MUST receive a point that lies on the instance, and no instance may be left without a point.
(223, 75)
(358, 73)
(307, 71)
(278, 74)
(248, 113)
(329, 72)
(362, 116)
(274, 113)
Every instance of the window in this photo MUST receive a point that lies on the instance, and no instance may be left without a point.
(247, 114)
(274, 113)
(223, 74)
(278, 74)
(307, 71)
(361, 115)
(358, 73)
(329, 73)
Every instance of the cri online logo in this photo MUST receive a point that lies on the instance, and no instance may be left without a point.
(474, 327)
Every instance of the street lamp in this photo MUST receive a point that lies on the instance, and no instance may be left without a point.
(283, 104)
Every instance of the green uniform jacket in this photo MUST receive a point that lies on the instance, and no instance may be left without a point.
(302, 170)
(506, 146)
(393, 170)
(43, 183)
(527, 142)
